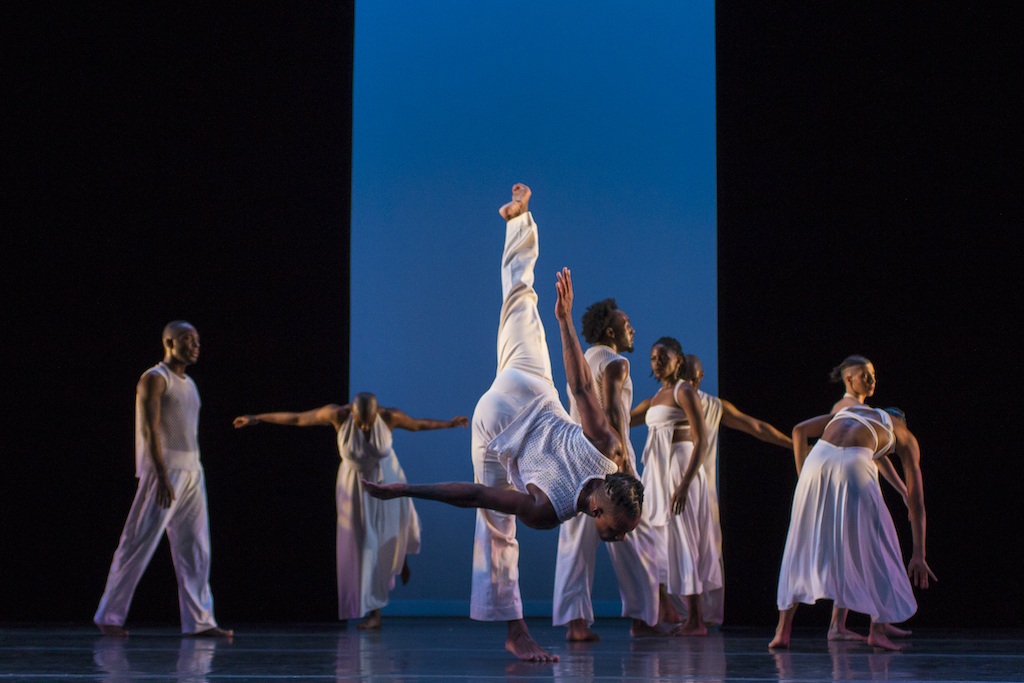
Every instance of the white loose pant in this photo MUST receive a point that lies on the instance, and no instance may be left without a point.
(188, 530)
(634, 560)
(524, 372)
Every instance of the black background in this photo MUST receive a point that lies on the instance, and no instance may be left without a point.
(193, 161)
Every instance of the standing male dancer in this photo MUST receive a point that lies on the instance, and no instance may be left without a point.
(607, 327)
(719, 412)
(530, 460)
(171, 495)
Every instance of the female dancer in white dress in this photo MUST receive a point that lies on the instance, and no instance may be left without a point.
(676, 486)
(857, 375)
(374, 536)
(842, 544)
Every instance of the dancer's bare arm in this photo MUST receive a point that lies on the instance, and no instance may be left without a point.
(886, 469)
(733, 418)
(615, 375)
(909, 453)
(150, 388)
(639, 413)
(808, 429)
(581, 382)
(686, 398)
(396, 419)
(534, 509)
(326, 416)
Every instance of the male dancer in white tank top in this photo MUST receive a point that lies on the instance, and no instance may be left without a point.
(171, 495)
(531, 461)
(608, 328)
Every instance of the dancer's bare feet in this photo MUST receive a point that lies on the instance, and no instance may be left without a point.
(372, 622)
(406, 573)
(112, 630)
(784, 630)
(667, 611)
(214, 632)
(877, 638)
(691, 628)
(842, 633)
(641, 629)
(893, 632)
(518, 205)
(521, 644)
(578, 631)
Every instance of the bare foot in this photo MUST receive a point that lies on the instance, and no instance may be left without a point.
(112, 630)
(893, 632)
(406, 573)
(214, 632)
(843, 633)
(518, 205)
(521, 644)
(641, 629)
(372, 622)
(780, 641)
(691, 628)
(579, 632)
(668, 613)
(877, 638)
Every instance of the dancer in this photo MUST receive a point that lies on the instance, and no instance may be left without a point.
(719, 412)
(857, 374)
(373, 537)
(608, 328)
(679, 502)
(530, 460)
(842, 544)
(171, 495)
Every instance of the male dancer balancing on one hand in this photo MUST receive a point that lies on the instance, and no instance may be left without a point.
(530, 459)
(374, 537)
(635, 560)
(171, 495)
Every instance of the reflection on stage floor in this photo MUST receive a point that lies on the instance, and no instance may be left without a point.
(453, 649)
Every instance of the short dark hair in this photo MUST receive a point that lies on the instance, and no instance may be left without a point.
(626, 493)
(836, 376)
(597, 319)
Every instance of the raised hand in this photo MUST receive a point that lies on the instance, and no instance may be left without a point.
(245, 421)
(563, 304)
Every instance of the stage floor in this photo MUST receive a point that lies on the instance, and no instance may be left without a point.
(456, 649)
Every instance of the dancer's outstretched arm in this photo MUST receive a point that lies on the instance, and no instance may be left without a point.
(534, 509)
(327, 416)
(396, 419)
(581, 382)
(733, 418)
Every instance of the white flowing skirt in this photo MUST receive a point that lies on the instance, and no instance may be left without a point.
(842, 544)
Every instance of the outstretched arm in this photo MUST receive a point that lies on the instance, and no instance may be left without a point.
(534, 509)
(734, 419)
(581, 382)
(396, 419)
(327, 416)
(807, 429)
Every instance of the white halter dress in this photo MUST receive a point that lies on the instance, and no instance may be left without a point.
(842, 544)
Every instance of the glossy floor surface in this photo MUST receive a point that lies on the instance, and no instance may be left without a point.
(454, 649)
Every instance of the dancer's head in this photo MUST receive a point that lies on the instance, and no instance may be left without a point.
(364, 410)
(667, 359)
(181, 343)
(605, 323)
(616, 506)
(693, 370)
(857, 374)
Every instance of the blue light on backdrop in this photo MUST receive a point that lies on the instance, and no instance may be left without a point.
(607, 111)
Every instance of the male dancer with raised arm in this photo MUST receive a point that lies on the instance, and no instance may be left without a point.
(635, 559)
(530, 460)
(373, 537)
(171, 495)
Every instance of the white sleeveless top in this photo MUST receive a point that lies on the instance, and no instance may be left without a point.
(598, 358)
(362, 454)
(875, 420)
(179, 425)
(544, 447)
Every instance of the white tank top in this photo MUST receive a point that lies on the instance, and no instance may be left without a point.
(543, 447)
(875, 420)
(598, 357)
(179, 424)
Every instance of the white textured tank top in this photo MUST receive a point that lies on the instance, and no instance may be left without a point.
(179, 425)
(544, 447)
(598, 358)
(874, 419)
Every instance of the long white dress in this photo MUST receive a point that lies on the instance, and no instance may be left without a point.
(691, 564)
(374, 536)
(842, 543)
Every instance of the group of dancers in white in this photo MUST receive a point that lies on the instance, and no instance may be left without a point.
(535, 462)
